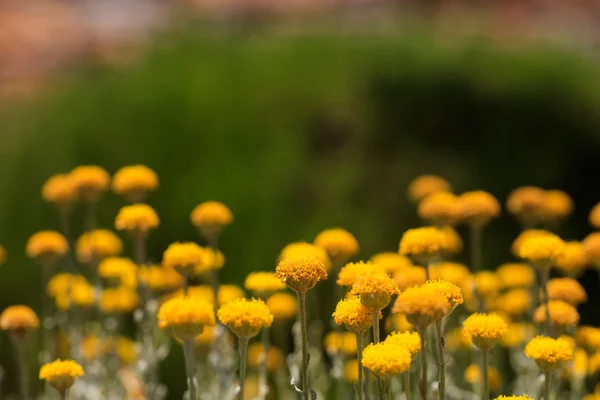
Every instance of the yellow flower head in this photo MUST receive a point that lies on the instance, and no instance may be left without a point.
(126, 349)
(455, 340)
(245, 317)
(213, 259)
(523, 237)
(478, 207)
(572, 260)
(588, 337)
(440, 208)
(306, 249)
(61, 374)
(594, 217)
(390, 262)
(60, 190)
(410, 276)
(136, 218)
(80, 290)
(449, 271)
(449, 290)
(351, 313)
(386, 360)
(425, 185)
(473, 377)
(211, 217)
(423, 244)
(594, 365)
(90, 181)
(134, 182)
(263, 282)
(207, 337)
(515, 275)
(542, 251)
(567, 290)
(375, 289)
(488, 283)
(47, 246)
(515, 302)
(185, 316)
(454, 244)
(118, 300)
(578, 368)
(518, 333)
(411, 341)
(301, 273)
(399, 323)
(273, 359)
(160, 278)
(557, 205)
(18, 319)
(351, 271)
(228, 293)
(523, 397)
(548, 353)
(351, 370)
(91, 348)
(340, 342)
(526, 203)
(485, 330)
(591, 248)
(338, 243)
(422, 305)
(283, 305)
(184, 257)
(98, 244)
(119, 269)
(562, 314)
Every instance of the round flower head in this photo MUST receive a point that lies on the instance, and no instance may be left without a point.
(136, 219)
(245, 317)
(548, 353)
(340, 342)
(557, 206)
(454, 244)
(478, 207)
(386, 360)
(594, 364)
(455, 340)
(588, 337)
(301, 273)
(306, 249)
(159, 278)
(567, 290)
(411, 341)
(184, 257)
(473, 377)
(542, 251)
(591, 248)
(515, 275)
(572, 260)
(422, 305)
(390, 262)
(186, 316)
(425, 185)
(228, 293)
(91, 181)
(134, 182)
(118, 300)
(339, 244)
(526, 204)
(518, 333)
(60, 190)
(488, 283)
(47, 246)
(485, 330)
(120, 270)
(594, 217)
(351, 371)
(274, 358)
(523, 397)
(375, 290)
(351, 271)
(60, 374)
(399, 322)
(283, 305)
(98, 244)
(440, 209)
(515, 302)
(563, 315)
(450, 271)
(523, 237)
(263, 283)
(18, 319)
(410, 276)
(449, 290)
(352, 314)
(423, 244)
(211, 217)
(80, 290)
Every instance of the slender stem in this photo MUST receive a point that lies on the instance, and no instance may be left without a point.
(547, 384)
(360, 383)
(186, 285)
(263, 387)
(190, 366)
(46, 317)
(304, 370)
(376, 339)
(243, 343)
(544, 274)
(407, 388)
(485, 394)
(477, 259)
(423, 385)
(63, 395)
(441, 359)
(90, 217)
(22, 366)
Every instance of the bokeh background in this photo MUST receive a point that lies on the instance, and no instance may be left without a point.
(299, 115)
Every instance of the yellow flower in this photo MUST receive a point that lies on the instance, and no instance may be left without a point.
(338, 243)
(185, 316)
(390, 262)
(305, 249)
(274, 360)
(562, 314)
(126, 350)
(211, 217)
(594, 365)
(118, 300)
(591, 248)
(557, 205)
(375, 289)
(263, 283)
(228, 293)
(351, 313)
(450, 271)
(386, 360)
(60, 190)
(567, 290)
(588, 337)
(351, 370)
(340, 342)
(47, 246)
(207, 337)
(523, 397)
(449, 290)
(68, 290)
(283, 305)
(485, 330)
(301, 273)
(523, 237)
(245, 317)
(425, 185)
(410, 276)
(454, 242)
(440, 208)
(351, 271)
(18, 319)
(487, 282)
(518, 333)
(213, 259)
(594, 217)
(120, 269)
(91, 348)
(422, 305)
(478, 207)
(61, 374)
(578, 368)
(572, 260)
(159, 278)
(473, 377)
(423, 244)
(526, 203)
(515, 302)
(90, 181)
(184, 257)
(411, 341)
(398, 322)
(134, 182)
(137, 219)
(98, 244)
(515, 275)
(455, 340)
(548, 353)
(542, 251)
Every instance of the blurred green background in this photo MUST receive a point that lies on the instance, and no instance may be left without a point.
(297, 133)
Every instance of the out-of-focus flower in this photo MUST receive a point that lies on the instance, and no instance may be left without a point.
(186, 316)
(120, 270)
(47, 247)
(440, 209)
(274, 360)
(134, 182)
(567, 290)
(423, 244)
(523, 237)
(118, 300)
(351, 370)
(283, 305)
(557, 206)
(399, 323)
(390, 262)
(98, 244)
(184, 257)
(425, 185)
(451, 272)
(594, 217)
(485, 330)
(19, 319)
(548, 353)
(60, 190)
(523, 397)
(572, 260)
(542, 251)
(375, 290)
(245, 317)
(159, 278)
(562, 315)
(301, 273)
(229, 293)
(478, 207)
(422, 305)
(60, 374)
(410, 276)
(211, 217)
(515, 302)
(339, 244)
(263, 283)
(473, 377)
(526, 204)
(454, 244)
(515, 275)
(591, 248)
(588, 337)
(455, 340)
(352, 271)
(518, 333)
(136, 219)
(340, 342)
(91, 181)
(71, 290)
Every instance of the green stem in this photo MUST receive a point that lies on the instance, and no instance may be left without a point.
(90, 217)
(376, 339)
(485, 394)
(407, 388)
(441, 359)
(547, 383)
(262, 373)
(243, 343)
(22, 365)
(188, 354)
(304, 370)
(186, 285)
(477, 259)
(63, 395)
(360, 386)
(423, 385)
(544, 275)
